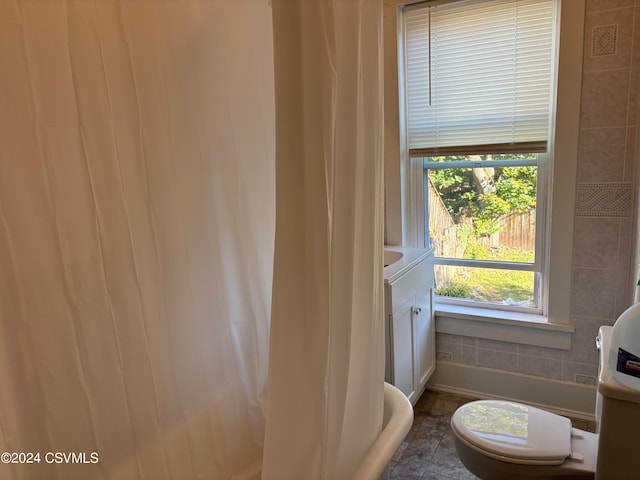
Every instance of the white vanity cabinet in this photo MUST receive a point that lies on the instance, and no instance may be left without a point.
(410, 328)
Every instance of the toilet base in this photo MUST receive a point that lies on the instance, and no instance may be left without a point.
(491, 469)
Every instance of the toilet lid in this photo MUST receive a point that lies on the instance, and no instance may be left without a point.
(513, 432)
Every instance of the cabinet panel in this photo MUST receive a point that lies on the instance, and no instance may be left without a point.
(402, 335)
(406, 286)
(410, 359)
(424, 351)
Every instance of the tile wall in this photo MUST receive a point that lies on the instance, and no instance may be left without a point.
(602, 283)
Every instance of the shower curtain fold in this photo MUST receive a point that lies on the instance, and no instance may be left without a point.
(325, 390)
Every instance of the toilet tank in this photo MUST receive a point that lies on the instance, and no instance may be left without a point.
(617, 420)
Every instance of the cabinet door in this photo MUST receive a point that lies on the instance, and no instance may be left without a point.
(424, 349)
(402, 334)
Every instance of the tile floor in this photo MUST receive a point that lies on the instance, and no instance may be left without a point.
(428, 452)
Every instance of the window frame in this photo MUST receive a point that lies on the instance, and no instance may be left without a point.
(541, 146)
(539, 293)
(404, 204)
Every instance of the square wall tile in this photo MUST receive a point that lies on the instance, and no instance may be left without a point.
(593, 292)
(632, 110)
(497, 345)
(536, 351)
(449, 338)
(605, 96)
(448, 352)
(596, 242)
(626, 282)
(635, 56)
(469, 355)
(597, 5)
(469, 341)
(497, 359)
(630, 159)
(583, 344)
(540, 367)
(601, 154)
(579, 372)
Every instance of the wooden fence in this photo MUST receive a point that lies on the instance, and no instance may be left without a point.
(517, 231)
(449, 239)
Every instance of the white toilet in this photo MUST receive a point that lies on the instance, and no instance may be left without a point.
(498, 439)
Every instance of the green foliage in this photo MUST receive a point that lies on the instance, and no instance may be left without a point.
(479, 204)
(498, 285)
(514, 192)
(458, 290)
(487, 284)
(476, 251)
(455, 187)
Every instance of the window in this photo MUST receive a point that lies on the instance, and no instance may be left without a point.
(478, 83)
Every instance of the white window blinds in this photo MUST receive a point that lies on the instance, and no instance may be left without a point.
(478, 73)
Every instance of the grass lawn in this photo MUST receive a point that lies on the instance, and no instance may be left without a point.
(490, 285)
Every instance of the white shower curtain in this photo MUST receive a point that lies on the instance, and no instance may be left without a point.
(327, 338)
(136, 236)
(137, 223)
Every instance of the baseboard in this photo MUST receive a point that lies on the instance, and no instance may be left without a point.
(565, 398)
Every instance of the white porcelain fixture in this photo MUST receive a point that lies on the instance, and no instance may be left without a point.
(397, 419)
(391, 256)
(498, 439)
(396, 423)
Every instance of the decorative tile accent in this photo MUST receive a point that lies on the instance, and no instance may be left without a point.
(604, 40)
(604, 200)
(443, 356)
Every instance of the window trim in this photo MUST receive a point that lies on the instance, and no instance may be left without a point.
(404, 202)
(522, 147)
(536, 267)
(426, 142)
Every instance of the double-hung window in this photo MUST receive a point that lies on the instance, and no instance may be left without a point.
(478, 83)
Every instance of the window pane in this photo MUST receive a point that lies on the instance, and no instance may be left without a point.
(483, 213)
(506, 287)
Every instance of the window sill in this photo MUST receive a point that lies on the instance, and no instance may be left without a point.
(516, 327)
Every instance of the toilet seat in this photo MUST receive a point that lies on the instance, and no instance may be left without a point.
(513, 432)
